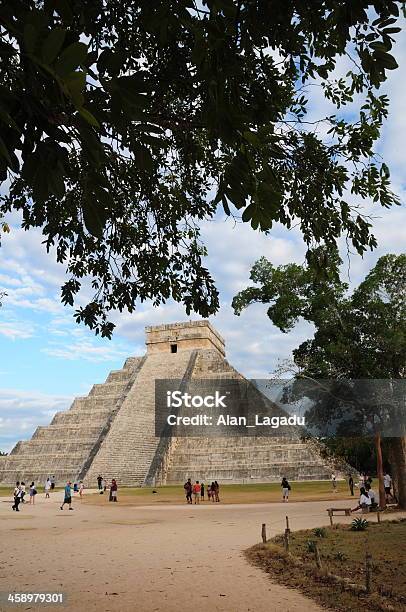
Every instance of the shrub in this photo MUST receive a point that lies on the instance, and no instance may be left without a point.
(311, 546)
(319, 532)
(340, 556)
(359, 524)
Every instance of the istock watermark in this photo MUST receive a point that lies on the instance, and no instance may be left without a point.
(283, 408)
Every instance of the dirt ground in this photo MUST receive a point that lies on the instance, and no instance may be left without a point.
(114, 557)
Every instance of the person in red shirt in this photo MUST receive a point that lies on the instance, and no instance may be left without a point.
(196, 492)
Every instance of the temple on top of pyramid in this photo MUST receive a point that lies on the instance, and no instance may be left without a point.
(111, 430)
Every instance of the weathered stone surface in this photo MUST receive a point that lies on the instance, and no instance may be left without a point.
(111, 431)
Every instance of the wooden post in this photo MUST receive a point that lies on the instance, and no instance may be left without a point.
(378, 516)
(263, 533)
(287, 525)
(286, 540)
(368, 572)
(330, 514)
(317, 554)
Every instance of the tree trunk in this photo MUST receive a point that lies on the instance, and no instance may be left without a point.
(379, 470)
(397, 458)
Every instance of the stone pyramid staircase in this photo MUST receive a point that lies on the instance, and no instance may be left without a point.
(63, 447)
(129, 450)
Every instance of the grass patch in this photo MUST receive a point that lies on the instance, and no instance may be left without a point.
(342, 553)
(230, 494)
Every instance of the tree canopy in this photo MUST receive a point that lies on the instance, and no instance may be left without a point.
(359, 346)
(119, 119)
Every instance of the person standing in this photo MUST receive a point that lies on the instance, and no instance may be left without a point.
(52, 483)
(17, 496)
(188, 488)
(47, 488)
(351, 484)
(99, 482)
(81, 489)
(202, 492)
(113, 490)
(285, 489)
(216, 490)
(22, 486)
(213, 492)
(208, 492)
(387, 483)
(67, 496)
(196, 492)
(33, 492)
(334, 482)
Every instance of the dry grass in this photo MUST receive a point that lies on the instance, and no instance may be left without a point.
(343, 554)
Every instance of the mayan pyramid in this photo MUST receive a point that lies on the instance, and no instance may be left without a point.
(111, 431)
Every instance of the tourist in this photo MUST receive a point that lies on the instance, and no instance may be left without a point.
(33, 492)
(202, 492)
(113, 491)
(364, 501)
(99, 482)
(213, 492)
(75, 487)
(208, 492)
(67, 496)
(351, 484)
(387, 483)
(188, 488)
(47, 488)
(17, 496)
(216, 490)
(81, 489)
(372, 495)
(196, 492)
(334, 482)
(52, 483)
(285, 489)
(22, 485)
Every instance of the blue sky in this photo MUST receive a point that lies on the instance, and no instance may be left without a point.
(46, 359)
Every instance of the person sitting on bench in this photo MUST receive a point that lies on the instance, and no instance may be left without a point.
(364, 501)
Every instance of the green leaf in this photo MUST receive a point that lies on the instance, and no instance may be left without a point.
(87, 116)
(72, 57)
(94, 216)
(52, 45)
(30, 37)
(75, 83)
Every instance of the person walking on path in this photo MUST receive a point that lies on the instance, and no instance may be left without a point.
(22, 486)
(47, 488)
(216, 490)
(67, 496)
(17, 496)
(285, 489)
(188, 488)
(113, 490)
(33, 492)
(196, 492)
(202, 492)
(334, 482)
(351, 484)
(52, 483)
(81, 489)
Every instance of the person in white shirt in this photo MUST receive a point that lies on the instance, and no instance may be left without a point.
(17, 496)
(334, 482)
(387, 483)
(47, 488)
(364, 501)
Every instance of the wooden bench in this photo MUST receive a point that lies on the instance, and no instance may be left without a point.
(331, 511)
